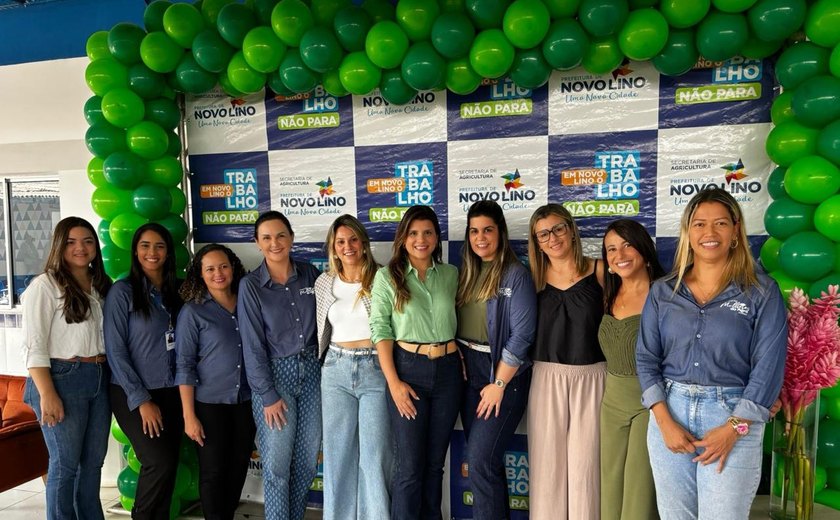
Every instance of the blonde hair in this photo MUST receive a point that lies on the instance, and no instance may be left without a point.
(740, 266)
(538, 259)
(369, 265)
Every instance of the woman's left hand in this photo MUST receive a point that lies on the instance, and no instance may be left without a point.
(716, 445)
(491, 399)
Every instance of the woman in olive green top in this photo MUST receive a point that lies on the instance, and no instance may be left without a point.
(413, 324)
(627, 491)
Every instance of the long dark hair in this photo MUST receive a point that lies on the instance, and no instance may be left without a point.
(637, 236)
(400, 256)
(76, 306)
(137, 278)
(468, 289)
(193, 289)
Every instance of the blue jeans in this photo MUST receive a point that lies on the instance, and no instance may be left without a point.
(422, 442)
(358, 446)
(487, 439)
(76, 445)
(689, 490)
(290, 456)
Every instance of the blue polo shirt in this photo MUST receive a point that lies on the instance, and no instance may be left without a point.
(209, 353)
(276, 321)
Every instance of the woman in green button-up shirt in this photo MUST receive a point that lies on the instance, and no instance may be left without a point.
(413, 324)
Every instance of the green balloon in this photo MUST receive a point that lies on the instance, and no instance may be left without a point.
(452, 35)
(182, 22)
(526, 23)
(827, 218)
(93, 110)
(358, 73)
(491, 54)
(124, 170)
(834, 61)
(145, 82)
(175, 225)
(733, 6)
(386, 45)
(192, 78)
(817, 101)
(227, 86)
(770, 254)
(461, 78)
(679, 54)
(786, 217)
(320, 50)
(153, 15)
(756, 49)
(123, 108)
(175, 504)
(103, 139)
(828, 142)
(296, 75)
(243, 77)
(263, 50)
(807, 256)
(151, 201)
(211, 51)
(451, 6)
(644, 34)
(811, 179)
(124, 42)
(263, 8)
(94, 172)
(325, 11)
(290, 19)
(721, 36)
(817, 288)
(423, 68)
(379, 10)
(123, 227)
(108, 201)
(790, 141)
(416, 17)
(165, 171)
(351, 25)
(96, 46)
(210, 10)
(104, 234)
(332, 83)
(780, 110)
(681, 14)
(602, 56)
(788, 284)
(801, 62)
(394, 88)
(182, 258)
(776, 183)
(234, 22)
(486, 14)
(565, 44)
(160, 52)
(131, 459)
(127, 482)
(104, 75)
(179, 202)
(822, 23)
(603, 18)
(530, 70)
(774, 20)
(164, 112)
(173, 148)
(147, 139)
(562, 8)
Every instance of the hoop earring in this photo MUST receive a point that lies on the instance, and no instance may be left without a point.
(609, 270)
(734, 243)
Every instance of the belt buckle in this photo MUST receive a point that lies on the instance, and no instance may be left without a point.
(432, 347)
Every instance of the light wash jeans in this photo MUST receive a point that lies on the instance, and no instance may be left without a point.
(290, 456)
(358, 446)
(76, 445)
(688, 490)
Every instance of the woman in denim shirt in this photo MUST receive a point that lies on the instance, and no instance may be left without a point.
(710, 357)
(358, 447)
(497, 318)
(211, 374)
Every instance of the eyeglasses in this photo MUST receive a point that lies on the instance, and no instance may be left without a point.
(558, 230)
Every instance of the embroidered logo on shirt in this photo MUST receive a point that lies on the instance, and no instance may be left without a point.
(307, 290)
(739, 307)
(506, 292)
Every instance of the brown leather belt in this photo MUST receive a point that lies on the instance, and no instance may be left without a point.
(99, 358)
(430, 350)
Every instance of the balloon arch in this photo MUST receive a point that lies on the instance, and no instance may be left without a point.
(291, 46)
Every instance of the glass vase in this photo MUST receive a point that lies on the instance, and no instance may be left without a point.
(794, 459)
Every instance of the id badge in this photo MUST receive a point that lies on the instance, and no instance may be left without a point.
(169, 336)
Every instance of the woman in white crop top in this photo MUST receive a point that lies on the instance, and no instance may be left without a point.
(357, 452)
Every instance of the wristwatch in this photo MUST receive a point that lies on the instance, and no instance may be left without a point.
(500, 383)
(740, 427)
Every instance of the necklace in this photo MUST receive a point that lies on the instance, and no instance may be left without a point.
(572, 278)
(705, 296)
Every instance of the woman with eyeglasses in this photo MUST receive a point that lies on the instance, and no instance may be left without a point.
(569, 371)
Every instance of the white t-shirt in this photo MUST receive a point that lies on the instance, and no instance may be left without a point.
(347, 314)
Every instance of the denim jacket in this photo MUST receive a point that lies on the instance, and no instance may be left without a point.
(512, 319)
